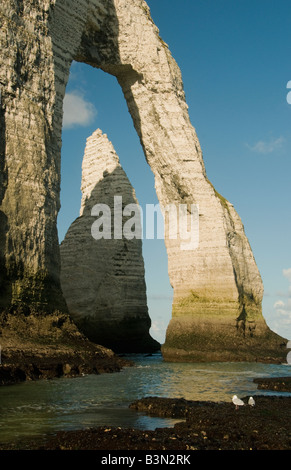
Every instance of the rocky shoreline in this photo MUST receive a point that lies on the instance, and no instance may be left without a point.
(36, 367)
(39, 346)
(279, 384)
(204, 426)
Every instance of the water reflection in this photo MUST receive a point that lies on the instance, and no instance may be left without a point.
(35, 408)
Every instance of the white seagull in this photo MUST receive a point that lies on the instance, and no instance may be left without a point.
(251, 401)
(237, 402)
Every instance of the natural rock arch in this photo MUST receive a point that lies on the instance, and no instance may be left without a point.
(217, 288)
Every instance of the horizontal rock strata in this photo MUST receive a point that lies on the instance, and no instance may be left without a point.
(103, 280)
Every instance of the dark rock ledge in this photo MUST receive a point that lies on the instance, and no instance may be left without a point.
(35, 366)
(203, 426)
(39, 346)
(280, 384)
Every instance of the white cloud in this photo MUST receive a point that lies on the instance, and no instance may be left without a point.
(279, 304)
(287, 274)
(265, 147)
(77, 111)
(158, 330)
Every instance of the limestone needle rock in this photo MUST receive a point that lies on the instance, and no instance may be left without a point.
(103, 279)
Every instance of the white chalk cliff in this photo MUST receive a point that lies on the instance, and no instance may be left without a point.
(217, 311)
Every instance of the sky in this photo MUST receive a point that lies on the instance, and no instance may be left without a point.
(234, 56)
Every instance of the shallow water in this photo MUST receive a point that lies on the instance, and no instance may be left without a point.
(36, 408)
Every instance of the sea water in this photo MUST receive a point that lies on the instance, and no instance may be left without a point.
(34, 409)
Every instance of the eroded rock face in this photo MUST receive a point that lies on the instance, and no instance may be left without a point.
(217, 287)
(103, 279)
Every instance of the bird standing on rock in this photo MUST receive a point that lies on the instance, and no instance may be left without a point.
(237, 402)
(251, 401)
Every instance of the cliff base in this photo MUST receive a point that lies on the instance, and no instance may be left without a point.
(35, 345)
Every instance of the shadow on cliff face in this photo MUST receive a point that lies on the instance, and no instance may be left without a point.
(99, 48)
(99, 43)
(5, 287)
(103, 279)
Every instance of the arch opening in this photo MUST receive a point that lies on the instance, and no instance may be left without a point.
(96, 100)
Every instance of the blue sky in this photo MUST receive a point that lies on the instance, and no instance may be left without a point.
(235, 61)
